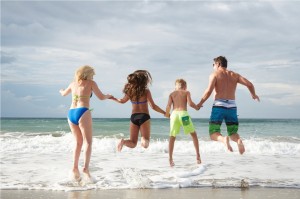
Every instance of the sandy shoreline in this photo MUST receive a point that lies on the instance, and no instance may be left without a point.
(199, 193)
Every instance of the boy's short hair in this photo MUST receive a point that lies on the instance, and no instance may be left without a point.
(181, 82)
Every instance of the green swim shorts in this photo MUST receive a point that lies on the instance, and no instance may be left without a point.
(178, 119)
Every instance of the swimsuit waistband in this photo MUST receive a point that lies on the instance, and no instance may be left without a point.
(177, 111)
(79, 107)
(224, 103)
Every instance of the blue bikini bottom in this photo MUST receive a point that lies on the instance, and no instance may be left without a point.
(75, 114)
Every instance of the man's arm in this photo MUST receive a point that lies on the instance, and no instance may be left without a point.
(209, 90)
(242, 80)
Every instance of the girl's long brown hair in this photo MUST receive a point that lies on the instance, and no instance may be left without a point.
(137, 84)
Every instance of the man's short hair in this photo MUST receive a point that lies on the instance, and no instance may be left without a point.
(222, 60)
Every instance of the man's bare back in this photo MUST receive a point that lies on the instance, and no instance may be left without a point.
(225, 83)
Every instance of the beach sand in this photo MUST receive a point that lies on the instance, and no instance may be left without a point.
(199, 193)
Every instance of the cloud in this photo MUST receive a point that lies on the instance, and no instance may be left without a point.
(278, 64)
(47, 66)
(223, 7)
(6, 58)
(13, 105)
(33, 98)
(281, 94)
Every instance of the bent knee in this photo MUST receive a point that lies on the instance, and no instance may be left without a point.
(133, 144)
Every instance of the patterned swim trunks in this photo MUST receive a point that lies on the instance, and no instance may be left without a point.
(223, 110)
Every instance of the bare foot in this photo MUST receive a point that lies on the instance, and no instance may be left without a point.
(86, 172)
(227, 144)
(172, 164)
(120, 145)
(198, 160)
(76, 175)
(87, 178)
(241, 146)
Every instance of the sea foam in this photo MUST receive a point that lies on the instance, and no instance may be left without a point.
(44, 161)
(50, 143)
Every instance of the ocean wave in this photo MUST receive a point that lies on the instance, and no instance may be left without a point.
(39, 158)
(44, 163)
(18, 134)
(62, 141)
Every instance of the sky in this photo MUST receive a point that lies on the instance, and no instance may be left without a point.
(44, 42)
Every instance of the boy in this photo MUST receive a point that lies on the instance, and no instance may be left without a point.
(180, 117)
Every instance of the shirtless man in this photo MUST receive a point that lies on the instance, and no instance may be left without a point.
(224, 82)
(180, 117)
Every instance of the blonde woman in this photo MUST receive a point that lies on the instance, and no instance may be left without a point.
(136, 90)
(79, 116)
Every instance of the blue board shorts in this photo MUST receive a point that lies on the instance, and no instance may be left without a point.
(178, 119)
(223, 112)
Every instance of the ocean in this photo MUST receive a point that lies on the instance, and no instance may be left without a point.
(36, 154)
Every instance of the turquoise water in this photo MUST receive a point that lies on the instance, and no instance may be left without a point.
(111, 127)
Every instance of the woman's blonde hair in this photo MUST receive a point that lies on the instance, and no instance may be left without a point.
(84, 73)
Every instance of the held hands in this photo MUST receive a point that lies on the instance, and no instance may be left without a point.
(113, 98)
(109, 96)
(167, 115)
(116, 99)
(198, 106)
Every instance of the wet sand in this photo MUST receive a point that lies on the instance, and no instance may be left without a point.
(199, 193)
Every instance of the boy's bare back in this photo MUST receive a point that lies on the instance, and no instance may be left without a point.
(179, 99)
